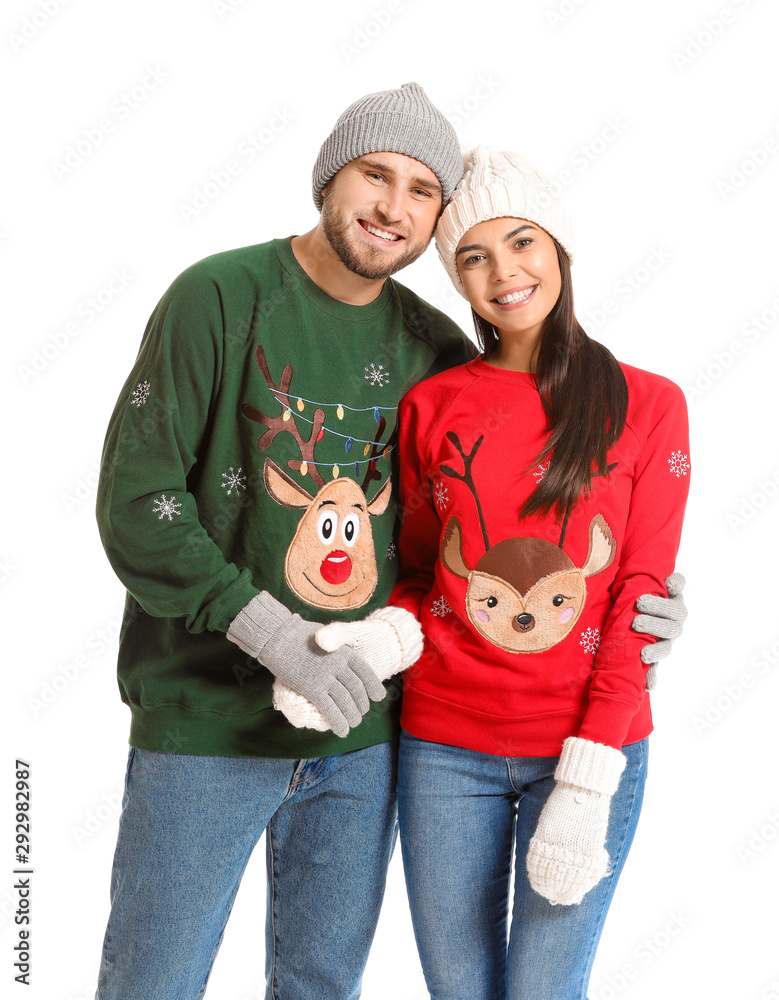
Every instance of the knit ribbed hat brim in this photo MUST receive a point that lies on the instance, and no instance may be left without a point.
(497, 185)
(394, 121)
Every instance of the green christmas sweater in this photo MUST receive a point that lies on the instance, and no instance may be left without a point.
(254, 393)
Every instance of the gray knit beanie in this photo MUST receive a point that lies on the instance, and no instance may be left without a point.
(393, 121)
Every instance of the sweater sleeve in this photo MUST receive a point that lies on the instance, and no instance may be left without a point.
(147, 516)
(652, 534)
(420, 526)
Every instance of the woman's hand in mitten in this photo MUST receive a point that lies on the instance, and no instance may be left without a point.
(389, 640)
(567, 855)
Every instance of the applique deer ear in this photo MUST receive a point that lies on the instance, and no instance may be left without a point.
(284, 490)
(602, 548)
(452, 550)
(381, 501)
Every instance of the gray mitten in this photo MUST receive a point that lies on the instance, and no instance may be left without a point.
(664, 618)
(340, 683)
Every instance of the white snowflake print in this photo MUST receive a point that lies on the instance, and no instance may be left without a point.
(391, 550)
(233, 480)
(678, 464)
(441, 494)
(541, 471)
(167, 508)
(440, 607)
(590, 640)
(376, 374)
(140, 394)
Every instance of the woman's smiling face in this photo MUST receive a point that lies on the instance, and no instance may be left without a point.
(511, 274)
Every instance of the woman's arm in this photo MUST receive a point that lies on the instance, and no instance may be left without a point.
(647, 556)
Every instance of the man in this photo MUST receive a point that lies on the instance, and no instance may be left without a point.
(245, 500)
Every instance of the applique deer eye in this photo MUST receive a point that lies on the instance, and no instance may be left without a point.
(558, 600)
(326, 526)
(492, 602)
(350, 529)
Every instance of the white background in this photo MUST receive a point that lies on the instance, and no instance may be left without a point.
(667, 151)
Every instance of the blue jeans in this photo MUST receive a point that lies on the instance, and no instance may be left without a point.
(188, 827)
(462, 815)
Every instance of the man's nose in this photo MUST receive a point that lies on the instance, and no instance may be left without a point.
(392, 204)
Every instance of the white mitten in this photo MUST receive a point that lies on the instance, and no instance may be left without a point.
(389, 640)
(567, 855)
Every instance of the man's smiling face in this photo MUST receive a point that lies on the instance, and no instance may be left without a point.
(379, 213)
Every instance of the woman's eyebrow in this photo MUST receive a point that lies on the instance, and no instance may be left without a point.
(508, 236)
(514, 232)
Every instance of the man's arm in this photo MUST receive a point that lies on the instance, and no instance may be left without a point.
(149, 521)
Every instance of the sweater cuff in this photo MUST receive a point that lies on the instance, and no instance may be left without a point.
(407, 629)
(591, 766)
(257, 623)
(607, 722)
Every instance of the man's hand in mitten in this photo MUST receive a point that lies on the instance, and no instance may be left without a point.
(567, 855)
(664, 618)
(389, 640)
(339, 684)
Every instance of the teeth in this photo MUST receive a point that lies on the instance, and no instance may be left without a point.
(390, 237)
(516, 296)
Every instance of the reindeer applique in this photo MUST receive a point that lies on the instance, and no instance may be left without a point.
(331, 562)
(525, 594)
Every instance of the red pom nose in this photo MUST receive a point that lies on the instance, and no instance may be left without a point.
(336, 567)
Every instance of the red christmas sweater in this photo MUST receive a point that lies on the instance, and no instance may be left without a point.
(527, 624)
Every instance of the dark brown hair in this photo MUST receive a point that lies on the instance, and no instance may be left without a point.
(585, 399)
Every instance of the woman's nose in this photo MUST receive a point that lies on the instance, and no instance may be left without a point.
(503, 266)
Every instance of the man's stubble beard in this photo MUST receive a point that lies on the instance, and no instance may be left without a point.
(365, 262)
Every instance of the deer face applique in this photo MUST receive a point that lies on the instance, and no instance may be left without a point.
(524, 594)
(331, 561)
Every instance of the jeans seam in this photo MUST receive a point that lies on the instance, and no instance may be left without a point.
(272, 873)
(606, 906)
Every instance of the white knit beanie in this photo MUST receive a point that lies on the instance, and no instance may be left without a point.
(497, 185)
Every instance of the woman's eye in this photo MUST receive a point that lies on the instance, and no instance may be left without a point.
(472, 260)
(525, 241)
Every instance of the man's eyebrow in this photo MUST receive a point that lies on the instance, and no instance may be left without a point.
(415, 182)
(508, 236)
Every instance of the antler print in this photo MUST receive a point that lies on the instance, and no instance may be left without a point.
(467, 477)
(285, 422)
(377, 449)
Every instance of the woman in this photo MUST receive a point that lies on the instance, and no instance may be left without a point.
(544, 487)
